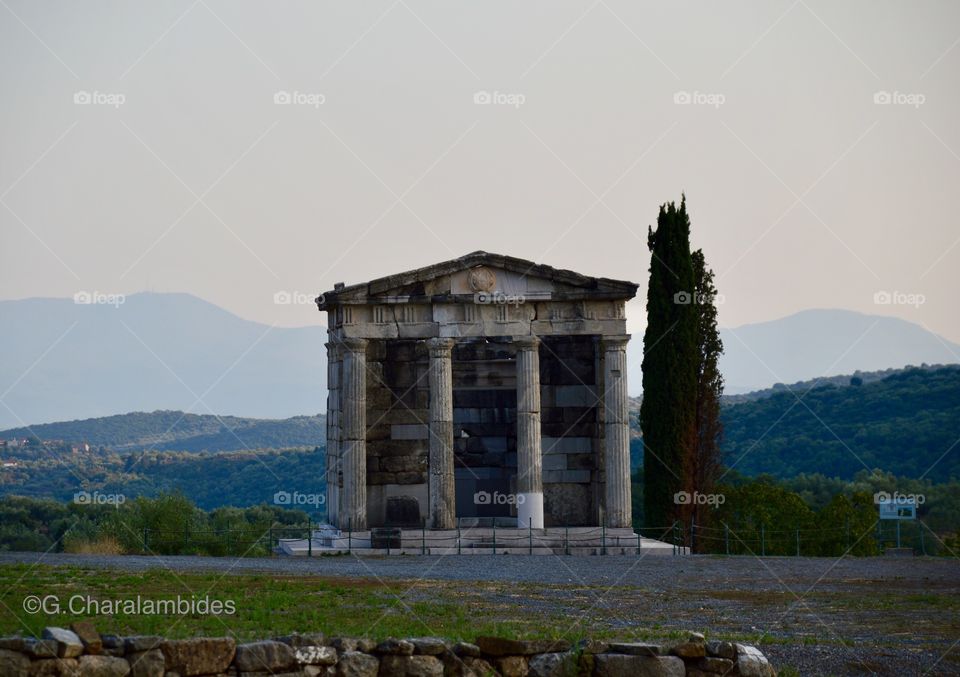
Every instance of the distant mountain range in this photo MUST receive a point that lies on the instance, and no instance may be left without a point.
(65, 360)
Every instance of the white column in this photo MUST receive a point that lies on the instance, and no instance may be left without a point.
(443, 507)
(333, 432)
(529, 461)
(616, 432)
(353, 450)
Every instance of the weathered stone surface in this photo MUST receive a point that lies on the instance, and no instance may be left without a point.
(85, 630)
(40, 648)
(146, 663)
(466, 649)
(298, 639)
(13, 663)
(512, 666)
(554, 665)
(343, 644)
(201, 656)
(636, 648)
(689, 650)
(142, 643)
(428, 646)
(356, 664)
(477, 667)
(624, 665)
(366, 645)
(497, 646)
(68, 644)
(267, 656)
(411, 666)
(12, 643)
(315, 655)
(53, 667)
(721, 649)
(394, 647)
(103, 666)
(591, 646)
(752, 663)
(714, 665)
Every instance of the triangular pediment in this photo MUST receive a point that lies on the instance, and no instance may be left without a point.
(480, 273)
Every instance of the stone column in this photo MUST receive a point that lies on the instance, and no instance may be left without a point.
(529, 461)
(443, 506)
(353, 436)
(333, 432)
(616, 432)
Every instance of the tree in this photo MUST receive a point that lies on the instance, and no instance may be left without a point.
(668, 411)
(705, 461)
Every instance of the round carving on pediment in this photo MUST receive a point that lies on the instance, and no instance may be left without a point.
(482, 279)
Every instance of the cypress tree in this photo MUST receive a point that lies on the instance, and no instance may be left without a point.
(670, 359)
(705, 464)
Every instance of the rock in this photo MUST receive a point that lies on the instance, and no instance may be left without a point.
(591, 646)
(357, 664)
(54, 667)
(12, 643)
(315, 655)
(411, 666)
(103, 666)
(552, 665)
(201, 656)
(624, 665)
(111, 645)
(40, 648)
(68, 644)
(721, 649)
(696, 637)
(477, 667)
(694, 649)
(428, 646)
(142, 643)
(297, 639)
(466, 649)
(85, 630)
(366, 645)
(264, 656)
(512, 666)
(318, 671)
(146, 663)
(636, 648)
(13, 663)
(752, 663)
(497, 646)
(343, 644)
(716, 666)
(394, 647)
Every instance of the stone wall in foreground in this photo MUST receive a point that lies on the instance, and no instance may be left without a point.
(82, 652)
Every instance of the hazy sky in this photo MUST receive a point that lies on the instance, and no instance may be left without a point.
(817, 143)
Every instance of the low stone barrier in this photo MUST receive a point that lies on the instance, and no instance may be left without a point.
(82, 652)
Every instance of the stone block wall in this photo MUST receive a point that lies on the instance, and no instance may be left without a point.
(82, 652)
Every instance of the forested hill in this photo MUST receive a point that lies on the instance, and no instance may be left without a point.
(176, 430)
(907, 424)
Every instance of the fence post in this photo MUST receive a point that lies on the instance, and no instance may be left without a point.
(270, 542)
(693, 533)
(923, 547)
(603, 536)
(848, 534)
(146, 539)
(798, 542)
(530, 536)
(726, 537)
(423, 539)
(186, 536)
(494, 535)
(763, 542)
(638, 544)
(458, 535)
(349, 537)
(309, 538)
(566, 540)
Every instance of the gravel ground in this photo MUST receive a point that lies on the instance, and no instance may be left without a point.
(896, 616)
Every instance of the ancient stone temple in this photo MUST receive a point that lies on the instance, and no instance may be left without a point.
(482, 387)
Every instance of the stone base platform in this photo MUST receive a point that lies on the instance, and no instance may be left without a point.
(479, 541)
